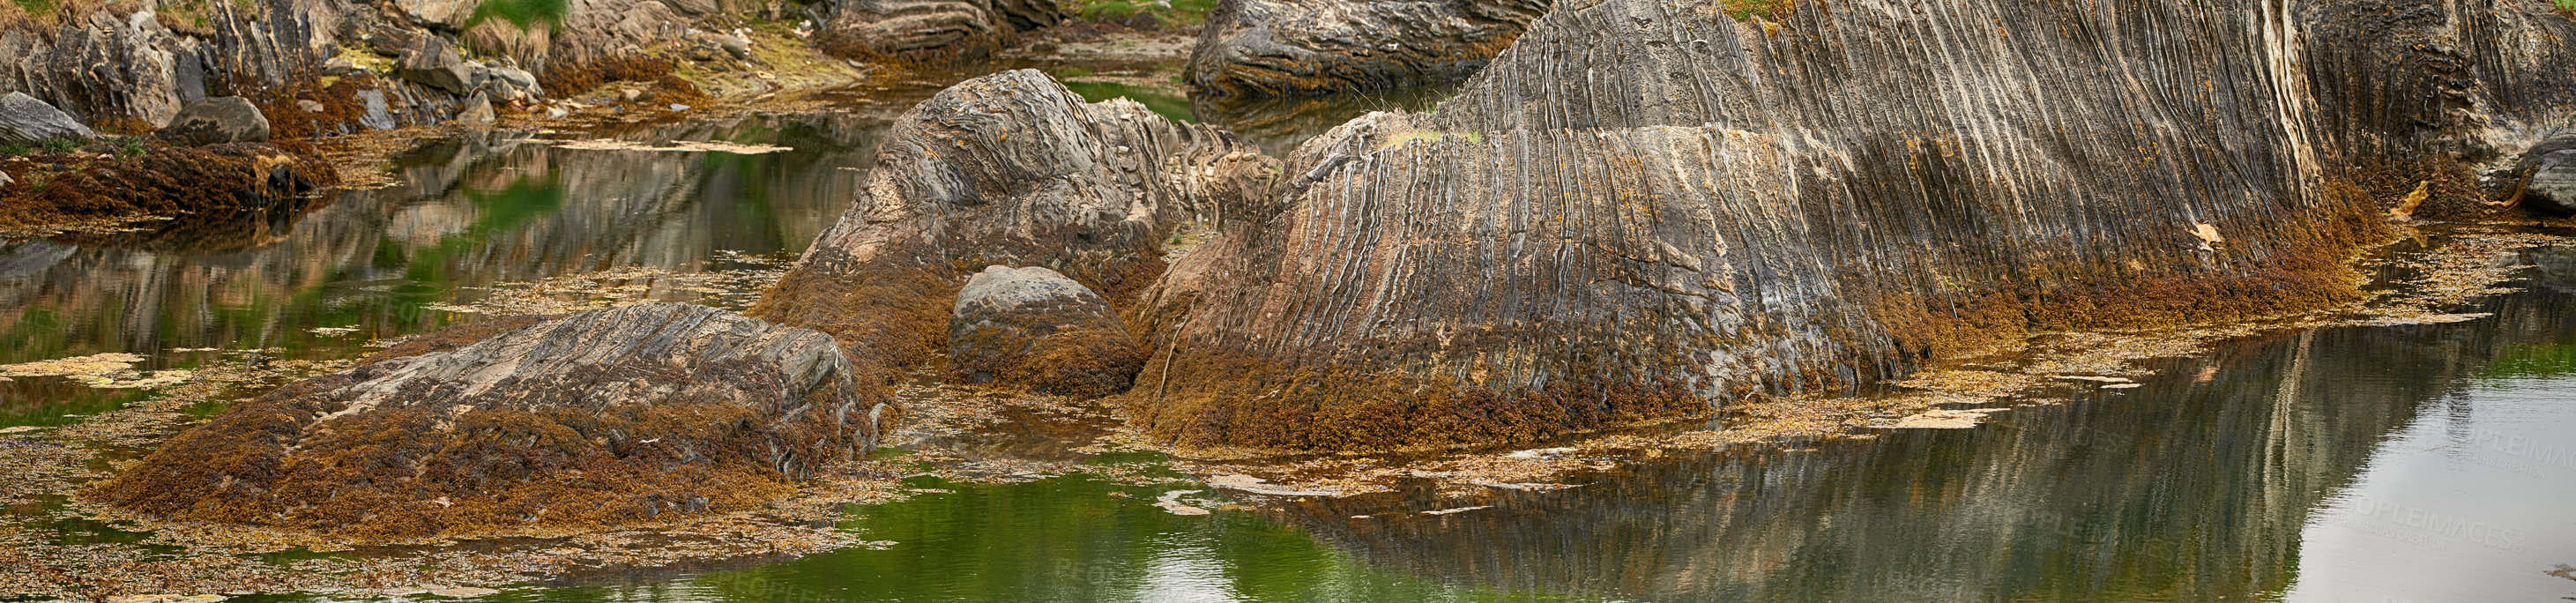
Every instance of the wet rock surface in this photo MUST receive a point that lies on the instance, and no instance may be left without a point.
(1260, 48)
(1006, 169)
(24, 120)
(216, 121)
(217, 183)
(1034, 328)
(604, 417)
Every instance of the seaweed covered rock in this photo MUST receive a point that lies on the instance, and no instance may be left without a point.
(213, 180)
(1007, 169)
(1034, 328)
(216, 121)
(1255, 48)
(604, 417)
(931, 30)
(27, 121)
(1645, 207)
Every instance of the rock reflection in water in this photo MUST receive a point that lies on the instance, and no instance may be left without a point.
(2193, 488)
(468, 213)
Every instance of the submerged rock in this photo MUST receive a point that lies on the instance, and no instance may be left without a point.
(1035, 328)
(931, 30)
(603, 417)
(1644, 208)
(1009, 169)
(1254, 48)
(216, 121)
(27, 121)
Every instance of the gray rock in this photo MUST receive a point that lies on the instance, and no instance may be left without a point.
(341, 67)
(379, 113)
(2551, 186)
(450, 15)
(27, 121)
(5, 180)
(1256, 48)
(633, 412)
(214, 121)
(1034, 328)
(433, 62)
(1013, 169)
(935, 30)
(477, 109)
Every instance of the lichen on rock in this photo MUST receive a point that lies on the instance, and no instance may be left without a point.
(618, 416)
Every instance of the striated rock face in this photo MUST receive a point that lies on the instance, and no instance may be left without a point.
(27, 121)
(2404, 82)
(1034, 328)
(1006, 169)
(1255, 48)
(602, 417)
(216, 121)
(931, 30)
(1643, 208)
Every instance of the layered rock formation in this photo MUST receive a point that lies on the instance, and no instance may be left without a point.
(931, 30)
(1643, 208)
(603, 417)
(1007, 169)
(27, 121)
(1034, 328)
(1254, 48)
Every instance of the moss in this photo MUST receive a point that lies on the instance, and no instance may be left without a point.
(523, 13)
(1767, 10)
(1243, 401)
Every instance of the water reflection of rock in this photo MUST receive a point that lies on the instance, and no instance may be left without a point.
(2194, 488)
(469, 213)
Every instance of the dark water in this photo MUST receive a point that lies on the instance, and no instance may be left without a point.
(2418, 463)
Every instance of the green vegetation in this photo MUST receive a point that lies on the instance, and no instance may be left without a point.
(1767, 10)
(523, 13)
(1166, 13)
(14, 150)
(2567, 6)
(131, 146)
(61, 145)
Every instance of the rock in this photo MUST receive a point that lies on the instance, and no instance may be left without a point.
(1034, 328)
(1619, 219)
(433, 62)
(1255, 48)
(379, 114)
(599, 418)
(27, 121)
(513, 79)
(216, 121)
(213, 184)
(342, 67)
(931, 30)
(5, 180)
(309, 106)
(476, 109)
(1009, 169)
(449, 15)
(2551, 186)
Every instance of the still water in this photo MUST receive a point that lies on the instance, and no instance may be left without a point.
(2416, 463)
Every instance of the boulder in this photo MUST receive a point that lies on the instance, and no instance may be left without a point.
(931, 30)
(433, 62)
(598, 418)
(1646, 209)
(1258, 48)
(379, 113)
(476, 109)
(216, 121)
(1034, 328)
(1005, 169)
(2551, 185)
(27, 121)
